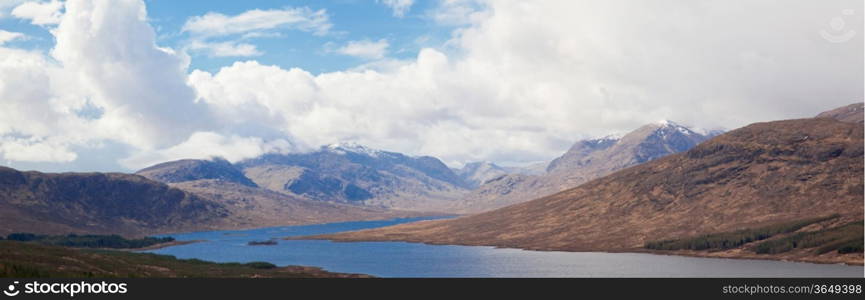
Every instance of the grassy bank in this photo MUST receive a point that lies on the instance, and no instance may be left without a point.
(20, 259)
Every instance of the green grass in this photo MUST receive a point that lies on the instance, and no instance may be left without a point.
(733, 239)
(89, 240)
(843, 239)
(28, 260)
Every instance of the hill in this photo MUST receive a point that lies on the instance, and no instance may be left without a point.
(99, 203)
(195, 169)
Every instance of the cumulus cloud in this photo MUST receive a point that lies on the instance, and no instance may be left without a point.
(365, 49)
(40, 13)
(301, 18)
(110, 49)
(526, 79)
(105, 60)
(203, 145)
(399, 7)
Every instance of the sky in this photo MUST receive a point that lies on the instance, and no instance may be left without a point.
(97, 85)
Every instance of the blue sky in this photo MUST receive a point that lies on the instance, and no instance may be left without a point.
(91, 85)
(352, 20)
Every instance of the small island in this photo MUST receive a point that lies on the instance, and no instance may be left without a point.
(262, 243)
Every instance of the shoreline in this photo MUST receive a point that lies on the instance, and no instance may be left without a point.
(158, 246)
(630, 250)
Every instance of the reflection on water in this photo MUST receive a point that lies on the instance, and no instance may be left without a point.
(397, 259)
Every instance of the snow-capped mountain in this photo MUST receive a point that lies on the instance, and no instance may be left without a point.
(586, 160)
(353, 173)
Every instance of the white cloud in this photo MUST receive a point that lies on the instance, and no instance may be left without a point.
(105, 58)
(526, 79)
(301, 18)
(251, 24)
(459, 12)
(40, 13)
(365, 49)
(8, 36)
(225, 49)
(203, 145)
(399, 7)
(35, 150)
(6, 6)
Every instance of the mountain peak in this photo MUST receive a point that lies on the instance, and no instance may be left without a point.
(664, 128)
(196, 169)
(352, 147)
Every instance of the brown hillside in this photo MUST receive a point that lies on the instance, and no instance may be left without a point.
(760, 174)
(851, 113)
(98, 203)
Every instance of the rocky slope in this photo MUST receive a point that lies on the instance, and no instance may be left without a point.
(761, 175)
(350, 173)
(585, 160)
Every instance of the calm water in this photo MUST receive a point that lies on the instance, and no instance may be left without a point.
(397, 259)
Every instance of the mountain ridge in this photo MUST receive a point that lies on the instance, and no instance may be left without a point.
(585, 160)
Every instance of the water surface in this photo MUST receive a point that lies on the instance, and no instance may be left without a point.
(399, 259)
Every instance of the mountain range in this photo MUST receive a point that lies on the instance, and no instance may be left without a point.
(354, 174)
(199, 195)
(756, 180)
(585, 160)
(337, 182)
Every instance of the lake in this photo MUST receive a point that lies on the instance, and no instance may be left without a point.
(398, 259)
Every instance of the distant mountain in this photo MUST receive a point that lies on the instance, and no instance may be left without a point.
(259, 207)
(576, 155)
(538, 168)
(351, 173)
(765, 174)
(584, 161)
(476, 173)
(195, 169)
